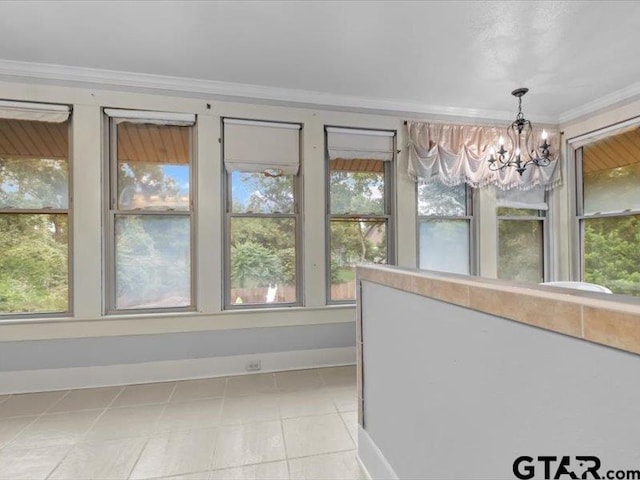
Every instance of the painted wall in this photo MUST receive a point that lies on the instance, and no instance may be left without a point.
(104, 351)
(454, 393)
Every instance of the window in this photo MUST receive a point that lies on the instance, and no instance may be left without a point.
(150, 216)
(444, 227)
(359, 205)
(261, 161)
(521, 235)
(34, 209)
(609, 211)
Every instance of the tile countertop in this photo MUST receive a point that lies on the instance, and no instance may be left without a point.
(611, 320)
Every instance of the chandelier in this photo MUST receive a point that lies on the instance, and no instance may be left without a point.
(523, 152)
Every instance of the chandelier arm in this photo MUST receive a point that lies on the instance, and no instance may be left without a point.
(531, 152)
(515, 142)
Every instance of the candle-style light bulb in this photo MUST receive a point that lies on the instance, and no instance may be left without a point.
(492, 151)
(517, 152)
(544, 135)
(501, 141)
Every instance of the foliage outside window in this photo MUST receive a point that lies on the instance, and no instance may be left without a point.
(34, 217)
(150, 217)
(444, 226)
(609, 212)
(359, 215)
(263, 225)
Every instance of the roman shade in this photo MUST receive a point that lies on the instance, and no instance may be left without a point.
(257, 146)
(150, 117)
(455, 154)
(356, 144)
(40, 112)
(533, 199)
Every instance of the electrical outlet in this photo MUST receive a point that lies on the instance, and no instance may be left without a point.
(254, 365)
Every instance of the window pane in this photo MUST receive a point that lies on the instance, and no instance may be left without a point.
(611, 173)
(611, 253)
(354, 242)
(259, 193)
(153, 167)
(444, 245)
(153, 261)
(34, 167)
(612, 190)
(520, 250)
(437, 199)
(263, 260)
(34, 253)
(357, 187)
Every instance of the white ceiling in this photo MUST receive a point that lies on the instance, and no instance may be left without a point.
(404, 56)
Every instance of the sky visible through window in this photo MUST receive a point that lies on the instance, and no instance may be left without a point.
(180, 174)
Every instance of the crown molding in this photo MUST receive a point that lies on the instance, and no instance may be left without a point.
(285, 96)
(601, 103)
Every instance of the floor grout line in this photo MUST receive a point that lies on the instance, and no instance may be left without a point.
(219, 427)
(57, 401)
(37, 417)
(84, 435)
(284, 441)
(139, 456)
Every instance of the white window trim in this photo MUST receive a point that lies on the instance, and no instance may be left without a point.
(112, 211)
(469, 216)
(389, 204)
(576, 195)
(544, 219)
(229, 215)
(52, 211)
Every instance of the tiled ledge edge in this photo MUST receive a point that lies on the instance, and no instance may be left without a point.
(607, 322)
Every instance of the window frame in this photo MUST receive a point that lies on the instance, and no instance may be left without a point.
(543, 217)
(469, 216)
(576, 193)
(228, 215)
(54, 211)
(112, 211)
(581, 217)
(389, 209)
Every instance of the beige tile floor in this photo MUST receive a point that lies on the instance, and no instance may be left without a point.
(289, 425)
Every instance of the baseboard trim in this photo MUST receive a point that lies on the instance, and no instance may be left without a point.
(372, 459)
(25, 381)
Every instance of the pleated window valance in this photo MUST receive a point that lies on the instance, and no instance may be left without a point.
(255, 146)
(455, 154)
(38, 112)
(355, 144)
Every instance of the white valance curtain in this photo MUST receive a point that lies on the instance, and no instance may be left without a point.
(256, 146)
(455, 154)
(39, 112)
(350, 143)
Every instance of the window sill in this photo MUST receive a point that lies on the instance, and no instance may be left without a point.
(38, 328)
